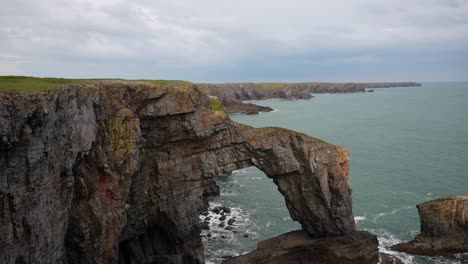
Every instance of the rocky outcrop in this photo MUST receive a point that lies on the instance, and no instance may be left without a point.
(117, 171)
(232, 95)
(298, 247)
(444, 228)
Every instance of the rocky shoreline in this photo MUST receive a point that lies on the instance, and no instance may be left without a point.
(232, 95)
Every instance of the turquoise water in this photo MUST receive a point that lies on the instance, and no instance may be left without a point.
(408, 145)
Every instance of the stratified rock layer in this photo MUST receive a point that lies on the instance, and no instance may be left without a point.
(117, 172)
(444, 228)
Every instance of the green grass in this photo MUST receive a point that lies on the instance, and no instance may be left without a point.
(11, 84)
(271, 86)
(216, 105)
(292, 131)
(26, 84)
(165, 83)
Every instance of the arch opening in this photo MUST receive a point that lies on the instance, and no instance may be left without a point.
(248, 209)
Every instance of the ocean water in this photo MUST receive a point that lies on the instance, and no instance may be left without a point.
(408, 145)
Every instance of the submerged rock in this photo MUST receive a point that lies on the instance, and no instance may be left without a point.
(444, 228)
(221, 210)
(205, 226)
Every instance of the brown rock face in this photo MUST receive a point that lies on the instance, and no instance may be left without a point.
(444, 228)
(117, 171)
(298, 247)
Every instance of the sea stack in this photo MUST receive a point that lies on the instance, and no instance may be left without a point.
(444, 228)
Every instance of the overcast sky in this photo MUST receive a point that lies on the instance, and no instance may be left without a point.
(237, 40)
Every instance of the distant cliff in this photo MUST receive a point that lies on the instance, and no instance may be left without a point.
(116, 171)
(232, 94)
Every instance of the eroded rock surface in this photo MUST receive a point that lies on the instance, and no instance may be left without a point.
(444, 228)
(118, 171)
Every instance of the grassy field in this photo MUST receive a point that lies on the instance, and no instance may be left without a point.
(25, 84)
(11, 84)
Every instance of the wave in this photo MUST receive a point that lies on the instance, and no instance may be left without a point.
(360, 218)
(218, 240)
(386, 240)
(241, 171)
(394, 211)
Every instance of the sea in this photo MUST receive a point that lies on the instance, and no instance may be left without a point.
(408, 145)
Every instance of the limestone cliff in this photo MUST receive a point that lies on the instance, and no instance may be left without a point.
(444, 228)
(115, 171)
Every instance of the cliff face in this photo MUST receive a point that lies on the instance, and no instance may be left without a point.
(116, 172)
(444, 228)
(232, 94)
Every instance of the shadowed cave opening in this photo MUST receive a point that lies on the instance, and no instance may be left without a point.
(257, 211)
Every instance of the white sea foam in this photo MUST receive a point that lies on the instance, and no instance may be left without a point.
(386, 240)
(241, 171)
(222, 242)
(229, 193)
(360, 218)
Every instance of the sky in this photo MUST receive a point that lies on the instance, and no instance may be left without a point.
(236, 40)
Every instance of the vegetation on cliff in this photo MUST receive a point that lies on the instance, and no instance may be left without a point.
(276, 129)
(27, 84)
(12, 84)
(216, 105)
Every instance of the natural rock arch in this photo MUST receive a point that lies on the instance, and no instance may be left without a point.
(116, 160)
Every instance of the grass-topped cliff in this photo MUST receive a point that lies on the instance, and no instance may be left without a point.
(231, 95)
(16, 84)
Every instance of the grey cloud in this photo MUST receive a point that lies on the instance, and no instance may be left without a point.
(174, 37)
